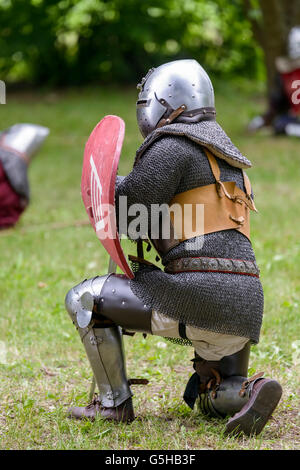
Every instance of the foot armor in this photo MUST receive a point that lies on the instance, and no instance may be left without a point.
(123, 413)
(222, 388)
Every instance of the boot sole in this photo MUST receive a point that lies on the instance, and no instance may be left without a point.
(257, 412)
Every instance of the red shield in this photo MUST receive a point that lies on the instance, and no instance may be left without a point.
(100, 164)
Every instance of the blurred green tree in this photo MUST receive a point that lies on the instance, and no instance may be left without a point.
(66, 42)
(271, 21)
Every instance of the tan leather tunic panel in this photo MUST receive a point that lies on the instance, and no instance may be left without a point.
(225, 207)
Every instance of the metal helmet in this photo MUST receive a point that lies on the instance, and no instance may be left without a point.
(180, 90)
(24, 139)
(294, 43)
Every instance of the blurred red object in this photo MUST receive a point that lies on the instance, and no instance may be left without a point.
(11, 204)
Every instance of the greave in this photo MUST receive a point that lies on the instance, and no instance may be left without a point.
(103, 346)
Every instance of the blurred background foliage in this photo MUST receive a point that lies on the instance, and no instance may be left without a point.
(74, 42)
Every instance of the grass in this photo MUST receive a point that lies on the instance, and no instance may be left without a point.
(43, 367)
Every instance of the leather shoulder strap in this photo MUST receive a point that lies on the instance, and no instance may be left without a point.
(247, 184)
(213, 164)
(217, 173)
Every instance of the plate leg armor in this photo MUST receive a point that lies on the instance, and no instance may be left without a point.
(99, 307)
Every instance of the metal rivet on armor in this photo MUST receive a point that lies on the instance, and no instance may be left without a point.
(145, 306)
(113, 291)
(123, 302)
(93, 340)
(101, 300)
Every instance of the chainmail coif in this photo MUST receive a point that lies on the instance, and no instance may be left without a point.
(220, 302)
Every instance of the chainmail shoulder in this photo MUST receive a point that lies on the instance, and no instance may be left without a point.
(206, 133)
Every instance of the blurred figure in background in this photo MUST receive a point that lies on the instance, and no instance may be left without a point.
(283, 113)
(17, 146)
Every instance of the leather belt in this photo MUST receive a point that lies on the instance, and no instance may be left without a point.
(219, 265)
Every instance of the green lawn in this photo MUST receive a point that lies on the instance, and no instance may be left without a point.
(43, 366)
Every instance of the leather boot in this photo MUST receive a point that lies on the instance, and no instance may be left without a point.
(264, 396)
(223, 389)
(121, 414)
